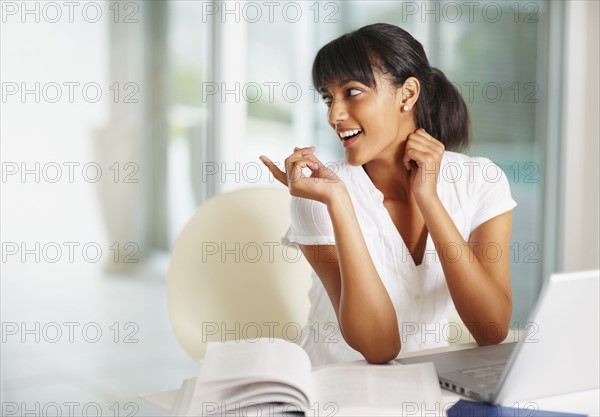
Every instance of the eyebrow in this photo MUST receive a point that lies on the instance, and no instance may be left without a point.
(342, 84)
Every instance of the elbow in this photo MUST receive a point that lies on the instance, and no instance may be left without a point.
(484, 341)
(376, 350)
(492, 333)
(378, 342)
(381, 358)
(494, 330)
(382, 353)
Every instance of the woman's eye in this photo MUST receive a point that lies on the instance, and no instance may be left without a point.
(351, 92)
(354, 91)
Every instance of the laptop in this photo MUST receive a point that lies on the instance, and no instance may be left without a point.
(556, 354)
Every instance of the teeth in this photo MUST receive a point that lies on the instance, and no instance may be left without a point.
(349, 133)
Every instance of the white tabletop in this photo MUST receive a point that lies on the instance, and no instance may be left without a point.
(585, 402)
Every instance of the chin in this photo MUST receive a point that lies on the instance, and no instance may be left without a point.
(355, 160)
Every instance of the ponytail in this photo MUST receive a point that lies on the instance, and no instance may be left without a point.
(443, 112)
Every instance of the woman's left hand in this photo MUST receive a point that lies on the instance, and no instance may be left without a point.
(423, 157)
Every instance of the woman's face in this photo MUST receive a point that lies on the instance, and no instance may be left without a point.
(368, 122)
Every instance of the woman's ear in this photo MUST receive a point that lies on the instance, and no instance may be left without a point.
(409, 93)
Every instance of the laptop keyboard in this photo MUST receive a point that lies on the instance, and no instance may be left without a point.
(489, 374)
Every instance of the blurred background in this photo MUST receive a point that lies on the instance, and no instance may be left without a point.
(119, 118)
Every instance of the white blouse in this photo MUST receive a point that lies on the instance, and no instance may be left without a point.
(473, 190)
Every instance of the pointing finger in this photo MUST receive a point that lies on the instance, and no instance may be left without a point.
(277, 173)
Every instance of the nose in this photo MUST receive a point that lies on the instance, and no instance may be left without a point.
(337, 112)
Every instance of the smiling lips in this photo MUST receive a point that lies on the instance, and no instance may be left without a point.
(349, 136)
(346, 134)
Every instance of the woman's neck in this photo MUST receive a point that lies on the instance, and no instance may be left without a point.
(390, 176)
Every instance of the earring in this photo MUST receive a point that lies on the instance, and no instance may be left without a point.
(405, 108)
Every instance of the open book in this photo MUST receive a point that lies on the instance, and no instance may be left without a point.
(273, 376)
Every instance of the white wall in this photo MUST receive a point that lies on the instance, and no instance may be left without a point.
(580, 225)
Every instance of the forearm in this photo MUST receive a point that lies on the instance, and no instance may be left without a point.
(480, 300)
(366, 314)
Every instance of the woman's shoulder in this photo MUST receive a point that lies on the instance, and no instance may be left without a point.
(472, 182)
(474, 185)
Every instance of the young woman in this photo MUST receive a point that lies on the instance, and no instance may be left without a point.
(404, 229)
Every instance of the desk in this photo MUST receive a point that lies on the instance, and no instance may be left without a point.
(584, 402)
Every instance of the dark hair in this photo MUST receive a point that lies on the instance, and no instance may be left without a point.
(440, 109)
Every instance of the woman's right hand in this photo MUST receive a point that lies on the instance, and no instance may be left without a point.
(321, 185)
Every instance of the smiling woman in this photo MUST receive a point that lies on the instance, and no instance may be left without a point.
(404, 229)
(392, 54)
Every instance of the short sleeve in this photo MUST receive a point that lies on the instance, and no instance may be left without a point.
(310, 223)
(491, 190)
